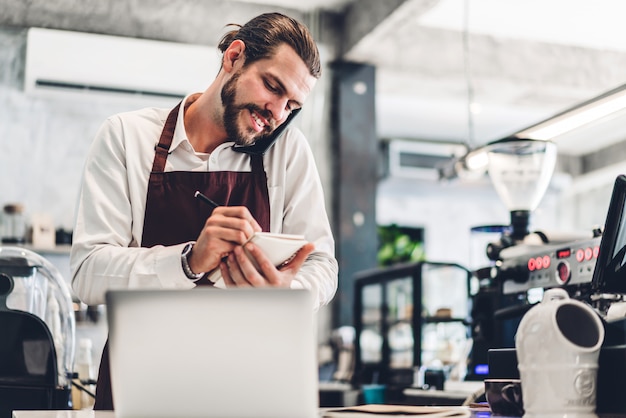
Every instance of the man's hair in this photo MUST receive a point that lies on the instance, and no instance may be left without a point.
(264, 33)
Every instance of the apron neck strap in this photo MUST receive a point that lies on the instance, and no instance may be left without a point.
(165, 141)
(256, 162)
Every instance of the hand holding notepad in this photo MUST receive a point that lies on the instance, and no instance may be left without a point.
(279, 248)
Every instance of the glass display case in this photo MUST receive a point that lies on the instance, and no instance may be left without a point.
(410, 315)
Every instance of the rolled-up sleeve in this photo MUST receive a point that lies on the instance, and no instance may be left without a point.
(304, 212)
(105, 250)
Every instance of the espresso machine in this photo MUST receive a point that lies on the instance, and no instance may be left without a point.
(590, 268)
(37, 329)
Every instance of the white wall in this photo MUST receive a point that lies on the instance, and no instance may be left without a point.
(44, 140)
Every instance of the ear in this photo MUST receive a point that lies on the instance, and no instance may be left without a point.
(234, 55)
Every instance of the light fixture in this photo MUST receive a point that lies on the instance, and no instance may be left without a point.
(590, 111)
(473, 165)
(477, 160)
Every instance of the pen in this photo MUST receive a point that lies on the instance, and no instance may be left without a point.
(206, 200)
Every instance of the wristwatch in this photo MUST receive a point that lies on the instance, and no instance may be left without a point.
(185, 263)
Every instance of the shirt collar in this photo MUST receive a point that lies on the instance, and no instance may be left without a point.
(180, 134)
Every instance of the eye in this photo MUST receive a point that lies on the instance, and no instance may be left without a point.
(271, 87)
(278, 90)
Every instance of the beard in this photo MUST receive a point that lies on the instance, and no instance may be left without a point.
(232, 110)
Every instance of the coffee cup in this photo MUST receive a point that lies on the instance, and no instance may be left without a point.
(504, 397)
(374, 394)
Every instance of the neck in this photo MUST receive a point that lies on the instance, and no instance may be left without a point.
(203, 122)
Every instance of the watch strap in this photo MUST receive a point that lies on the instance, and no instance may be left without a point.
(184, 258)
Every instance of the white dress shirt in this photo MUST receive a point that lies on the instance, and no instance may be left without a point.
(106, 249)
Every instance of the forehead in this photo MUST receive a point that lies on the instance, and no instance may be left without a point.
(286, 66)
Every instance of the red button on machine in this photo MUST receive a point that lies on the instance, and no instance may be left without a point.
(539, 263)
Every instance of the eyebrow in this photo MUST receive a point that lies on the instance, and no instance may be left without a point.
(282, 87)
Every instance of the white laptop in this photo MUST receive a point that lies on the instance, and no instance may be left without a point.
(238, 353)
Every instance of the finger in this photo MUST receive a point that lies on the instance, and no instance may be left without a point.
(208, 251)
(299, 258)
(234, 270)
(247, 268)
(216, 240)
(234, 217)
(227, 235)
(283, 275)
(228, 281)
(223, 230)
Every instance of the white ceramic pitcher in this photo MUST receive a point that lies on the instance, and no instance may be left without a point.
(558, 344)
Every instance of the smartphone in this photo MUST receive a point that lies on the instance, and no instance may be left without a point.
(262, 145)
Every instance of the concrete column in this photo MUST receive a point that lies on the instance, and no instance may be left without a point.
(355, 178)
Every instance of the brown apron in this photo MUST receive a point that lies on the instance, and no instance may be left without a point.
(174, 215)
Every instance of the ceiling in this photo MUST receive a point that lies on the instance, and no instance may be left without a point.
(513, 63)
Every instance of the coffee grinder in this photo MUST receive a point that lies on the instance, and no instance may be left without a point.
(520, 170)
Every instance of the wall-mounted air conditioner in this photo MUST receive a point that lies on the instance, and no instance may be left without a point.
(420, 160)
(89, 63)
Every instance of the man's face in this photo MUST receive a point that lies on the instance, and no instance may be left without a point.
(259, 98)
(232, 110)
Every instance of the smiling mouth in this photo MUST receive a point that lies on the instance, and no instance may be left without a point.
(259, 122)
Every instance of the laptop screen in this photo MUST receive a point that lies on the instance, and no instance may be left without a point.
(213, 353)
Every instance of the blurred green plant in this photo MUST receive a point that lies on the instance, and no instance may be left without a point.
(398, 246)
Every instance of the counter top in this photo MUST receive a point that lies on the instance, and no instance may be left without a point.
(111, 414)
(362, 411)
(64, 414)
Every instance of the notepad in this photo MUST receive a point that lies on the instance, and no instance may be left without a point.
(279, 248)
(374, 410)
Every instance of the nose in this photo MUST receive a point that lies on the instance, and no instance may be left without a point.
(278, 109)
